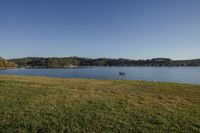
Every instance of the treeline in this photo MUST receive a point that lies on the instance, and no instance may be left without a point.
(35, 62)
(5, 64)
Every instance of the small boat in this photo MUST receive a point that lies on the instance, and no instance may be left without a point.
(122, 73)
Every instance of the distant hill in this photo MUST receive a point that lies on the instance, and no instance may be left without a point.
(5, 64)
(65, 62)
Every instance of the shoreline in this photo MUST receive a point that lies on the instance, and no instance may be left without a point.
(125, 80)
(106, 67)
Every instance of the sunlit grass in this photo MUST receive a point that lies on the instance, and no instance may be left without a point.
(41, 104)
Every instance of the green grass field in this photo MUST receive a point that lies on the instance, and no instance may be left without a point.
(41, 104)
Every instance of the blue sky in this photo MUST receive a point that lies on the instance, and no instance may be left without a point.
(135, 29)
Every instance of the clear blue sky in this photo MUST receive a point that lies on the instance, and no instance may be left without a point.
(135, 29)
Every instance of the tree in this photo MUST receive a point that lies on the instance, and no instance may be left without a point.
(7, 64)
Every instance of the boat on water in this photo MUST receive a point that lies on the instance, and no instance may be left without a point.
(122, 73)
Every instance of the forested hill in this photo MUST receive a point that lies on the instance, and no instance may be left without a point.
(5, 64)
(37, 62)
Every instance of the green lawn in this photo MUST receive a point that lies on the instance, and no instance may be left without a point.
(41, 104)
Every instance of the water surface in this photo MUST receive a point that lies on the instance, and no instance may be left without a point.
(165, 74)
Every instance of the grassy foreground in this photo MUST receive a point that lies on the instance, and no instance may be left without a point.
(41, 104)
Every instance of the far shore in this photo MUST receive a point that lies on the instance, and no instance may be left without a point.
(75, 67)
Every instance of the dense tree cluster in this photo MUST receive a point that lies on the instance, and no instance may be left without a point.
(4, 64)
(35, 62)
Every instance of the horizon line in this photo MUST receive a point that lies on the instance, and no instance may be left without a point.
(99, 58)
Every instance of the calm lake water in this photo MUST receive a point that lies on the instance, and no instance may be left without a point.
(166, 74)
